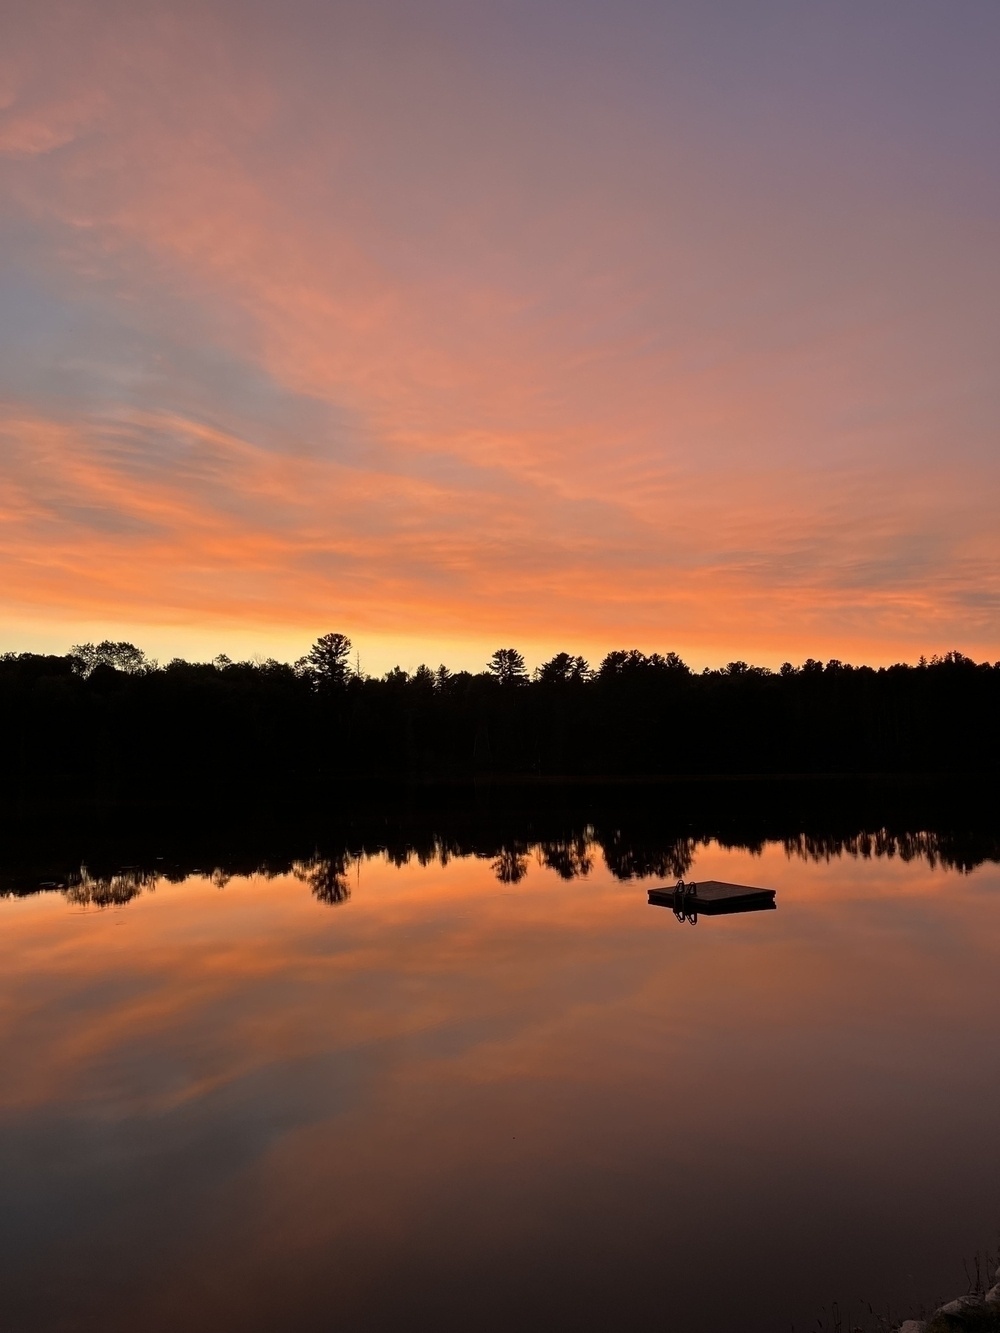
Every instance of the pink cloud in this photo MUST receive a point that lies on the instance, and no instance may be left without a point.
(586, 394)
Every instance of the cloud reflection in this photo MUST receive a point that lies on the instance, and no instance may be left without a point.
(261, 1105)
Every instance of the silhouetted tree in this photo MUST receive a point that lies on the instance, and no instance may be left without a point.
(622, 662)
(328, 661)
(631, 663)
(507, 665)
(562, 668)
(119, 656)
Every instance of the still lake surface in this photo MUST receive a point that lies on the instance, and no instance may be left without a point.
(498, 1091)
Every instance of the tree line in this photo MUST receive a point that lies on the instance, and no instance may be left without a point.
(106, 719)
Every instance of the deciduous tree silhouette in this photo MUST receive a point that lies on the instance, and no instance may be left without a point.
(120, 656)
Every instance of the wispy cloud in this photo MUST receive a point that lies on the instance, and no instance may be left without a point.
(365, 323)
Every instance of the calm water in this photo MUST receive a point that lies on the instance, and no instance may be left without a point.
(369, 1096)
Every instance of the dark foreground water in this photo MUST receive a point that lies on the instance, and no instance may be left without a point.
(498, 1091)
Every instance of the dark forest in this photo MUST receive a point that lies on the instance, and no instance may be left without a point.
(104, 719)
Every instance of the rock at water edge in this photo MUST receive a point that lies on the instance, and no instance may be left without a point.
(959, 1306)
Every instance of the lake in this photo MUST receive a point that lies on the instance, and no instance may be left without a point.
(464, 1084)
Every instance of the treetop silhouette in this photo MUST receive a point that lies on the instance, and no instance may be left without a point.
(507, 665)
(96, 710)
(328, 661)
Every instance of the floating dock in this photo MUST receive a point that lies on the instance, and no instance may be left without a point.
(711, 897)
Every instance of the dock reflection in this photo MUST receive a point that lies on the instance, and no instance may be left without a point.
(711, 897)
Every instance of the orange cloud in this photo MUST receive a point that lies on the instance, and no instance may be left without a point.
(340, 359)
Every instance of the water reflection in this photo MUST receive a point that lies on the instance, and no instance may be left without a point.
(627, 854)
(689, 901)
(326, 877)
(447, 1104)
(83, 889)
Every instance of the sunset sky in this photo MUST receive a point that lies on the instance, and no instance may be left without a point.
(451, 324)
